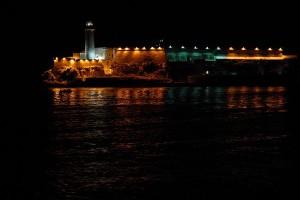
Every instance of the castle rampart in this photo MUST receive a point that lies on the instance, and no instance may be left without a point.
(160, 60)
(140, 56)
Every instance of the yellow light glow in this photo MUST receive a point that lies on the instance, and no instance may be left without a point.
(119, 48)
(230, 48)
(256, 49)
(270, 49)
(136, 48)
(243, 48)
(290, 57)
(126, 48)
(254, 58)
(152, 48)
(159, 48)
(280, 49)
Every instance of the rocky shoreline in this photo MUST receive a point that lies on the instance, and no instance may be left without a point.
(194, 81)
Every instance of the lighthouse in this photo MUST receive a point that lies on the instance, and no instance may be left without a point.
(89, 41)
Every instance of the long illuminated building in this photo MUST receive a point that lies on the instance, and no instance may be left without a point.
(165, 55)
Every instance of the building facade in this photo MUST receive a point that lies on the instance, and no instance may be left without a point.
(208, 61)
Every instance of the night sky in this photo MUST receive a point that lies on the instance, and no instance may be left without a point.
(48, 29)
(182, 23)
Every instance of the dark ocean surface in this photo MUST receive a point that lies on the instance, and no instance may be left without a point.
(154, 143)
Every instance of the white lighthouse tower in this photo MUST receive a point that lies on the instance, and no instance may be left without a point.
(89, 41)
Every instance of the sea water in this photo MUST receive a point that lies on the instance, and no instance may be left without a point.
(167, 143)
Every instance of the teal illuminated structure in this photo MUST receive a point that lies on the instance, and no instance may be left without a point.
(204, 61)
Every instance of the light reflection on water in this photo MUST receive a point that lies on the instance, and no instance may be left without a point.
(221, 97)
(257, 97)
(167, 142)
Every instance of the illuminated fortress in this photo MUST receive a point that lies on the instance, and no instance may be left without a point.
(162, 61)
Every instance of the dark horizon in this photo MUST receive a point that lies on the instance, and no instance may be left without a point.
(275, 34)
(58, 27)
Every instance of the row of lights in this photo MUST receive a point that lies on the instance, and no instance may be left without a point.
(159, 48)
(183, 47)
(230, 48)
(137, 48)
(76, 59)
